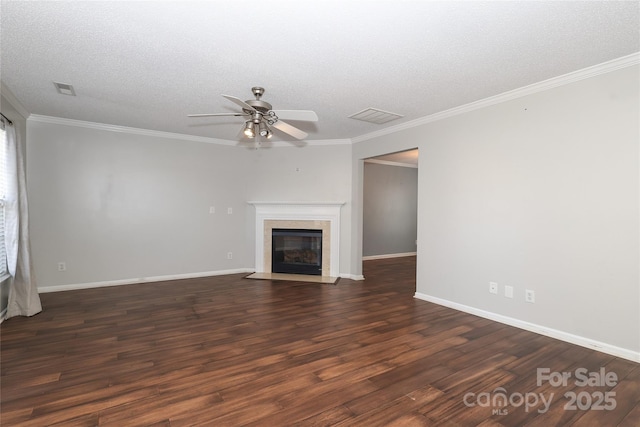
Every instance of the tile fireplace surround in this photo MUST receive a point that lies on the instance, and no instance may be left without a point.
(323, 216)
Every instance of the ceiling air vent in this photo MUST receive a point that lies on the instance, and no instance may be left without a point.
(374, 115)
(64, 89)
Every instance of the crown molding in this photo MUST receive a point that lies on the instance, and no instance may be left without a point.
(345, 141)
(575, 76)
(170, 135)
(125, 129)
(606, 67)
(13, 100)
(299, 144)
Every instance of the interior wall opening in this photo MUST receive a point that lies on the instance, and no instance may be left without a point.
(390, 206)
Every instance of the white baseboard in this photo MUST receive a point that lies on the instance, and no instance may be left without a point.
(58, 288)
(352, 276)
(613, 350)
(371, 257)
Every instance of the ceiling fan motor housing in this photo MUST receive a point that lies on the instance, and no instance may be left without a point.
(262, 108)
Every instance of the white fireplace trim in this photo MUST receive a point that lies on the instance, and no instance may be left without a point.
(300, 211)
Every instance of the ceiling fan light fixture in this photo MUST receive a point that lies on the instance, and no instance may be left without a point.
(248, 129)
(264, 130)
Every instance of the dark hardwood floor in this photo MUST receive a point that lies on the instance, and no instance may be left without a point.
(229, 351)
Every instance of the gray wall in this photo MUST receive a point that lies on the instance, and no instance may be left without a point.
(390, 209)
(123, 206)
(118, 206)
(541, 193)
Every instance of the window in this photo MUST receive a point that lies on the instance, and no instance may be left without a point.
(3, 194)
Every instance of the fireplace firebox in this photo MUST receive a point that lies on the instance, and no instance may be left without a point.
(296, 251)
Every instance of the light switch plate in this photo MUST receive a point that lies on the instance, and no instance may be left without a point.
(508, 291)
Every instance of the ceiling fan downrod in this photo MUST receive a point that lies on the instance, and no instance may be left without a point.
(257, 92)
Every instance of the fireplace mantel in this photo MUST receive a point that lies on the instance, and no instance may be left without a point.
(296, 203)
(298, 211)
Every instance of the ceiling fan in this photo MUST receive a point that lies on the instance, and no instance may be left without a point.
(260, 116)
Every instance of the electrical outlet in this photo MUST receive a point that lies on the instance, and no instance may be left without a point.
(508, 291)
(212, 209)
(229, 211)
(62, 266)
(229, 255)
(493, 288)
(530, 296)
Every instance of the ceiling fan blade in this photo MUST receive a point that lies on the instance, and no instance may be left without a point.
(302, 115)
(239, 102)
(287, 128)
(217, 114)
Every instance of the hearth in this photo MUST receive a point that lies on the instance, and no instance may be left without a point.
(296, 251)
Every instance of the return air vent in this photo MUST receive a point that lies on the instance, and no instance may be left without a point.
(64, 89)
(374, 115)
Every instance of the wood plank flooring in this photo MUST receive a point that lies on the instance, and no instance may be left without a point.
(228, 351)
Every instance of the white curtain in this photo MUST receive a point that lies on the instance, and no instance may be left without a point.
(23, 291)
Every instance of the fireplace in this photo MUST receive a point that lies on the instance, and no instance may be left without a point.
(296, 251)
(321, 217)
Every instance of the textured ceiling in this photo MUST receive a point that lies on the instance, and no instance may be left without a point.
(149, 64)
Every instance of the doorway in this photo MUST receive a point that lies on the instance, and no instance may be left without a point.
(390, 206)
